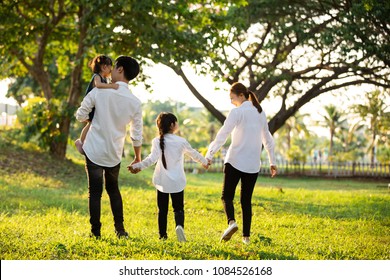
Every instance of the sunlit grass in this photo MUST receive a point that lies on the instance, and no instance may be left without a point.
(44, 215)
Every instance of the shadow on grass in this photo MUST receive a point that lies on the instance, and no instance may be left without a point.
(32, 181)
(373, 208)
(324, 183)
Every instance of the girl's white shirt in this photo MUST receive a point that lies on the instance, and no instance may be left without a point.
(172, 179)
(249, 131)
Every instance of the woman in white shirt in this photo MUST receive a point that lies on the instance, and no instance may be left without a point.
(169, 178)
(248, 127)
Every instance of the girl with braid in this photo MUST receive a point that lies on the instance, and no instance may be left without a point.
(169, 178)
(248, 127)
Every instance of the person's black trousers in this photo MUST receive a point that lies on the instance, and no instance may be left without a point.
(96, 176)
(248, 181)
(178, 209)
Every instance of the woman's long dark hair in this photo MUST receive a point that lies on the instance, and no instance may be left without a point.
(238, 88)
(164, 123)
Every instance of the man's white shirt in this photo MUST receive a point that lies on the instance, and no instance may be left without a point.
(115, 109)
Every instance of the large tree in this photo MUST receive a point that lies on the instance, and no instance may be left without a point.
(297, 50)
(293, 51)
(335, 121)
(45, 43)
(374, 111)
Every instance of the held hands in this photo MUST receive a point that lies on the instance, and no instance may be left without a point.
(274, 170)
(132, 169)
(206, 166)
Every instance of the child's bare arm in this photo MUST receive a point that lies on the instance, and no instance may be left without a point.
(98, 83)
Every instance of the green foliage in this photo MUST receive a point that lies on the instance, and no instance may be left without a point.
(383, 154)
(296, 155)
(296, 50)
(373, 112)
(172, 32)
(44, 45)
(40, 119)
(47, 53)
(21, 88)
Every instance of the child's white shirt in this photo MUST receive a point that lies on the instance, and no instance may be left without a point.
(172, 179)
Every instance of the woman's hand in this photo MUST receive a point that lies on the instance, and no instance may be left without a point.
(274, 171)
(133, 170)
(207, 165)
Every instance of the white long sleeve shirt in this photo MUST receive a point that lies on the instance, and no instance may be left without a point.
(249, 130)
(172, 179)
(115, 110)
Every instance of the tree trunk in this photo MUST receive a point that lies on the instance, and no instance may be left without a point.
(331, 144)
(373, 149)
(58, 146)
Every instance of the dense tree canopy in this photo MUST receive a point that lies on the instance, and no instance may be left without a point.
(297, 50)
(291, 52)
(47, 41)
(46, 44)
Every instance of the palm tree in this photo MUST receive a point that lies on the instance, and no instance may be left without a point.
(333, 119)
(374, 111)
(352, 140)
(294, 126)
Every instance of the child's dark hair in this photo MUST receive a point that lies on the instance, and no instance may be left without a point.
(238, 88)
(164, 123)
(98, 61)
(130, 66)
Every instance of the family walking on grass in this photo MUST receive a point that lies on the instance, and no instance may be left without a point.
(114, 107)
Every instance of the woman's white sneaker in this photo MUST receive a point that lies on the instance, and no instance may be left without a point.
(232, 228)
(180, 234)
(246, 240)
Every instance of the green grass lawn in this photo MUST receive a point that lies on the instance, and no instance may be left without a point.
(44, 215)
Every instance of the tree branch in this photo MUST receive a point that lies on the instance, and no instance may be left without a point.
(214, 111)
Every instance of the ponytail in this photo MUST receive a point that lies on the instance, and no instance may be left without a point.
(255, 102)
(164, 123)
(238, 88)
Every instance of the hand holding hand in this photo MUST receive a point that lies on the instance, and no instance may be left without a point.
(207, 165)
(274, 170)
(132, 169)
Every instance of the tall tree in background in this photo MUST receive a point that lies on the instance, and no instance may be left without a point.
(297, 50)
(374, 112)
(46, 42)
(176, 33)
(333, 120)
(294, 126)
(352, 142)
(291, 52)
